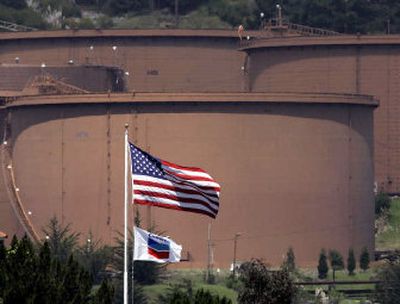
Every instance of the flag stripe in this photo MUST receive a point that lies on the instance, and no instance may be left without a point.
(185, 200)
(146, 190)
(187, 172)
(202, 185)
(158, 203)
(210, 194)
(166, 201)
(160, 183)
(155, 183)
(190, 177)
(168, 164)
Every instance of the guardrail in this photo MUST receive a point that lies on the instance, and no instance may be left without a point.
(13, 27)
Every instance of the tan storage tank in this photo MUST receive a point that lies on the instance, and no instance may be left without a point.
(295, 169)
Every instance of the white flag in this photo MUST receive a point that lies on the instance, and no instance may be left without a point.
(155, 248)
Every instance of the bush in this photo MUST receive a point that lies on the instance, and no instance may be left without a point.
(29, 275)
(322, 265)
(17, 4)
(382, 202)
(290, 261)
(364, 259)
(351, 262)
(121, 7)
(336, 261)
(260, 285)
(86, 23)
(105, 22)
(388, 290)
(26, 17)
(70, 10)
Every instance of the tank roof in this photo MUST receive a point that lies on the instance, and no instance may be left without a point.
(297, 98)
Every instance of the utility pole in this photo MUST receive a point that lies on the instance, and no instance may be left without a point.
(235, 238)
(209, 270)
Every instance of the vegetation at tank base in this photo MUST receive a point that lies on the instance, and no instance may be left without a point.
(351, 262)
(336, 261)
(33, 274)
(388, 291)
(260, 285)
(382, 203)
(60, 258)
(345, 16)
(387, 227)
(289, 264)
(323, 265)
(364, 259)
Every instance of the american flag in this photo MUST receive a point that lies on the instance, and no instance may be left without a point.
(163, 184)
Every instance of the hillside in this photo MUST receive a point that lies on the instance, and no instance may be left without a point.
(345, 16)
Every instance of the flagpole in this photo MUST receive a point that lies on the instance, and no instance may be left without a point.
(126, 219)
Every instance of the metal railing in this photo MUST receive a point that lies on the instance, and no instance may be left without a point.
(13, 27)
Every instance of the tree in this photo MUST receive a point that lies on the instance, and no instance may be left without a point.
(387, 291)
(323, 265)
(336, 260)
(382, 203)
(105, 294)
(351, 262)
(17, 4)
(120, 7)
(290, 261)
(262, 286)
(364, 259)
(61, 240)
(29, 275)
(20, 264)
(94, 257)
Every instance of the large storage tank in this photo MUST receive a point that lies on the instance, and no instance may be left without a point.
(209, 61)
(295, 169)
(344, 64)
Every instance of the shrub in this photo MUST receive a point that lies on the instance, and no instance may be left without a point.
(322, 265)
(336, 261)
(290, 261)
(382, 202)
(388, 290)
(364, 259)
(260, 285)
(351, 262)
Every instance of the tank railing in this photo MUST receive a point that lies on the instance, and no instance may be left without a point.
(13, 27)
(310, 31)
(16, 202)
(284, 25)
(276, 27)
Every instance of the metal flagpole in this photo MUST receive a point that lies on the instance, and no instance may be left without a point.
(133, 275)
(126, 219)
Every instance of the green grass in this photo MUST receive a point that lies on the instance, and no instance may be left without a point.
(390, 239)
(154, 291)
(175, 277)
